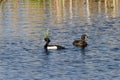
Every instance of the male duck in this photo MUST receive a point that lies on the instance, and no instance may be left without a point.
(82, 43)
(47, 46)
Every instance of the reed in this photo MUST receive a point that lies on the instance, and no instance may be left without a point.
(47, 33)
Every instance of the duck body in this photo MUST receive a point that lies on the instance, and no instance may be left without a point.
(81, 43)
(54, 47)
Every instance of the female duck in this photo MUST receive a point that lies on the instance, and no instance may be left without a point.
(82, 43)
(47, 46)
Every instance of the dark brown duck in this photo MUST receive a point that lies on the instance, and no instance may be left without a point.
(81, 43)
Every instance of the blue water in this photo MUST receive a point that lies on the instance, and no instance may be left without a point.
(22, 55)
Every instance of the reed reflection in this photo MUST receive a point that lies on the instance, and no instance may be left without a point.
(59, 10)
(31, 13)
(62, 10)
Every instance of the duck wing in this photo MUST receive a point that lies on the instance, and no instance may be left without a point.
(77, 42)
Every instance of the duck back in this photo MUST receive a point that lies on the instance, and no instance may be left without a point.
(80, 43)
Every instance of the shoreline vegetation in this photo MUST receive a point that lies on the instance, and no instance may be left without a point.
(108, 3)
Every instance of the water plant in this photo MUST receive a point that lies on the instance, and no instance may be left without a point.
(47, 33)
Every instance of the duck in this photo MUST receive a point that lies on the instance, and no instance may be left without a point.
(82, 42)
(49, 47)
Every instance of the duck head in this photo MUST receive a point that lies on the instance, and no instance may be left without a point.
(83, 37)
(47, 40)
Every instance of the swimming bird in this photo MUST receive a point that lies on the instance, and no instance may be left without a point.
(47, 46)
(81, 43)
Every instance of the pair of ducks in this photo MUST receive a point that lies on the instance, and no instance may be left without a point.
(81, 43)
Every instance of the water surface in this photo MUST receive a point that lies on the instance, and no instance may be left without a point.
(22, 30)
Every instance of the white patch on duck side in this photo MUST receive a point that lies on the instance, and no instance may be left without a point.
(52, 47)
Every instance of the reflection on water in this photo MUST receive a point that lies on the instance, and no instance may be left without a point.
(58, 11)
(55, 12)
(22, 29)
